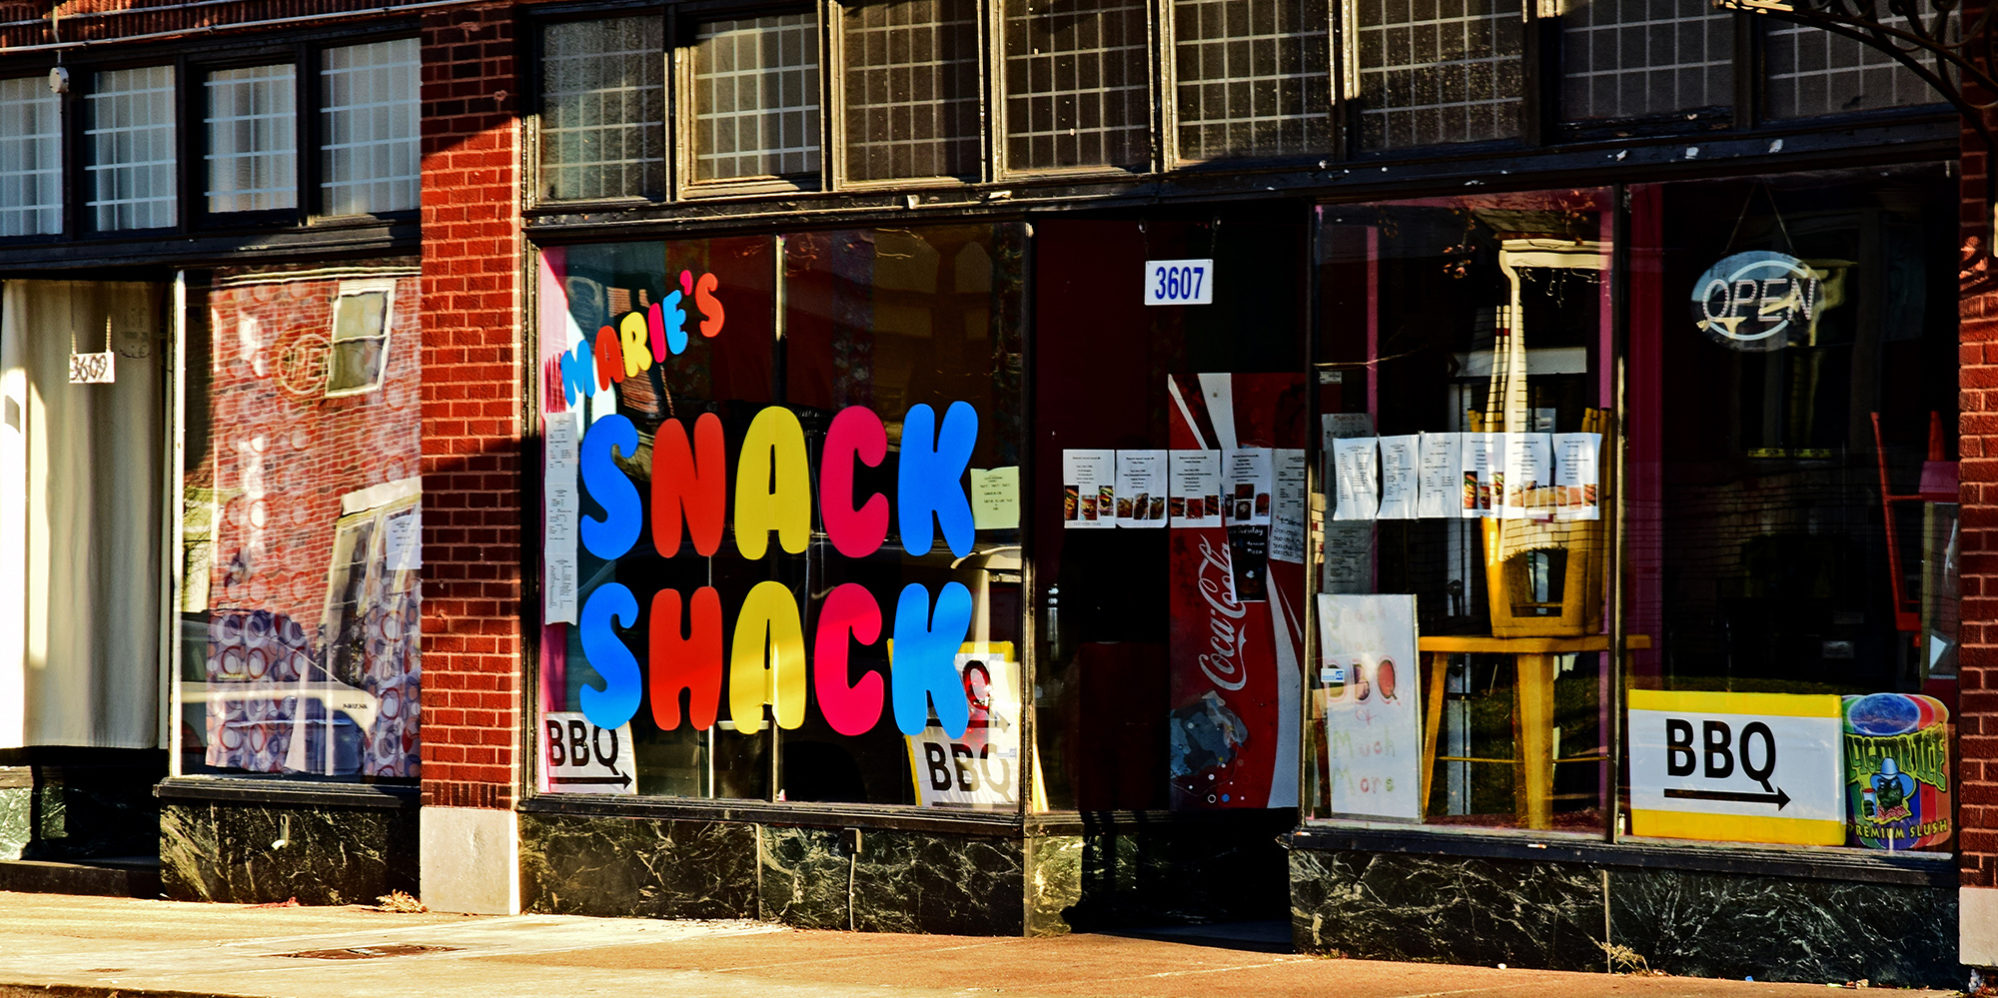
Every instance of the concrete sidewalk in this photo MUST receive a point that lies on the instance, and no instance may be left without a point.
(77, 946)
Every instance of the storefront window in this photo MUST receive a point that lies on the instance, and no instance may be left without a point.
(1792, 509)
(299, 603)
(1460, 515)
(782, 550)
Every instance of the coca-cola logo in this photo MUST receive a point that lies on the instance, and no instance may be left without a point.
(1223, 662)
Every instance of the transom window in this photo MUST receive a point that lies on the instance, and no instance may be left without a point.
(252, 138)
(131, 148)
(756, 98)
(30, 158)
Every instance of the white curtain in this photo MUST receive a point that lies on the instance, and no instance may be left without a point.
(80, 522)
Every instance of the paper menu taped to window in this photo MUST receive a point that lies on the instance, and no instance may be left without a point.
(1287, 526)
(1529, 471)
(1250, 475)
(1577, 470)
(1399, 485)
(404, 544)
(1356, 477)
(561, 507)
(995, 498)
(1141, 488)
(1195, 488)
(1089, 489)
(1440, 476)
(1482, 462)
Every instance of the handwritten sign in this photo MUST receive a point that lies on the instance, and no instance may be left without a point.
(1368, 689)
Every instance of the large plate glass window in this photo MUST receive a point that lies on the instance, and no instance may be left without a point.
(603, 109)
(130, 143)
(780, 563)
(30, 158)
(1462, 673)
(252, 138)
(755, 98)
(299, 605)
(1793, 508)
(367, 116)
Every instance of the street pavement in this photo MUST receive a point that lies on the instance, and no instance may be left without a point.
(73, 947)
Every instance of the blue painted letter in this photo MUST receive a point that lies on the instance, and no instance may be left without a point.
(922, 668)
(615, 704)
(932, 470)
(610, 537)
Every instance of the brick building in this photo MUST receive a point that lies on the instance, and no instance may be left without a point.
(610, 436)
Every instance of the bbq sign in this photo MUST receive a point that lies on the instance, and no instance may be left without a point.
(1758, 300)
(1737, 767)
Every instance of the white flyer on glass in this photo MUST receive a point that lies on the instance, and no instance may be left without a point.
(1194, 482)
(560, 508)
(1287, 525)
(1529, 468)
(1577, 471)
(1088, 489)
(1356, 476)
(1483, 464)
(1141, 488)
(1250, 475)
(1373, 719)
(1398, 476)
(1440, 476)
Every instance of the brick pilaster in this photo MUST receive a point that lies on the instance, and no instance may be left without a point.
(472, 401)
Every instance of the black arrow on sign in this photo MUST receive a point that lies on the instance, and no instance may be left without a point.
(622, 780)
(1779, 798)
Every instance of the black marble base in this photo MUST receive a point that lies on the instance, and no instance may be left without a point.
(1137, 871)
(79, 806)
(879, 879)
(245, 852)
(1555, 915)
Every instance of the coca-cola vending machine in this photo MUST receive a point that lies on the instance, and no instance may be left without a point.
(1236, 578)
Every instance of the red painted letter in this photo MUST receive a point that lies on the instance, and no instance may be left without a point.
(690, 478)
(848, 609)
(856, 434)
(711, 307)
(690, 661)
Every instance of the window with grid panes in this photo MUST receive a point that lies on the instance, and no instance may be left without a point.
(1438, 71)
(30, 158)
(756, 98)
(252, 126)
(130, 142)
(368, 109)
(1253, 77)
(1811, 71)
(1078, 84)
(1630, 58)
(603, 109)
(912, 99)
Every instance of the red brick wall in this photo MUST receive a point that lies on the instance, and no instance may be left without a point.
(472, 388)
(1977, 709)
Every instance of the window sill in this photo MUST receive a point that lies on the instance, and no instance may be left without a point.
(1928, 869)
(797, 813)
(300, 793)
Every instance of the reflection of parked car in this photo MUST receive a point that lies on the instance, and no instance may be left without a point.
(267, 703)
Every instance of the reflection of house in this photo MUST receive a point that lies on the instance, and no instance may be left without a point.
(347, 256)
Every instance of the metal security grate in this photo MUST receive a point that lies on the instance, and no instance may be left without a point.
(912, 100)
(603, 109)
(131, 143)
(1078, 84)
(1253, 77)
(368, 112)
(30, 158)
(1812, 72)
(1630, 58)
(756, 98)
(1437, 71)
(252, 138)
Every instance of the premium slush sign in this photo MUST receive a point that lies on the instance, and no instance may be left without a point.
(1737, 767)
(1757, 301)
